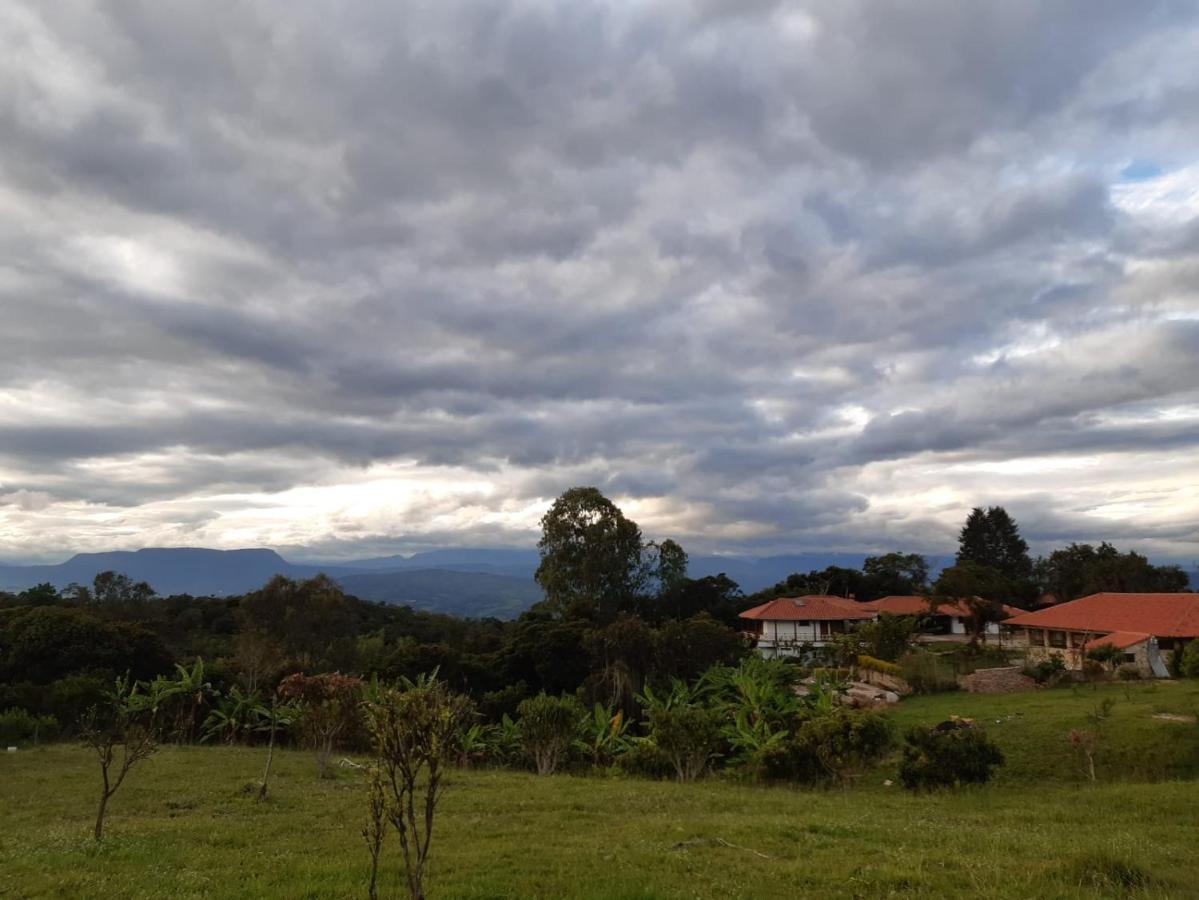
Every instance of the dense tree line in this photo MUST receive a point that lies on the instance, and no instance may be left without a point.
(620, 616)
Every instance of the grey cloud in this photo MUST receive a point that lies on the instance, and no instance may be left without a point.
(727, 260)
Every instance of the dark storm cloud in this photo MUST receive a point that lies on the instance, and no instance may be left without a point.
(730, 260)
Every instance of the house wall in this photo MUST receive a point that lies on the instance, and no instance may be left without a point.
(791, 631)
(787, 638)
(1073, 654)
(957, 625)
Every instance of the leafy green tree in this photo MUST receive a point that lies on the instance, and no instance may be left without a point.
(687, 735)
(591, 555)
(546, 652)
(895, 573)
(623, 655)
(689, 647)
(115, 588)
(668, 564)
(834, 581)
(978, 588)
(1082, 569)
(717, 595)
(44, 594)
(310, 622)
(42, 644)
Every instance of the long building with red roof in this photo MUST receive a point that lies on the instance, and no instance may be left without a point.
(1149, 628)
(950, 618)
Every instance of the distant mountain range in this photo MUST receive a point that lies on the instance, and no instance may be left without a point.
(462, 581)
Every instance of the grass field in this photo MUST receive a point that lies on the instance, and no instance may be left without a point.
(180, 827)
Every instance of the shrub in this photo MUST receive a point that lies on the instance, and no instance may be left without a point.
(688, 736)
(417, 733)
(18, 726)
(1188, 667)
(643, 759)
(70, 698)
(328, 711)
(1047, 671)
(1093, 670)
(1128, 672)
(946, 755)
(879, 665)
(547, 727)
(126, 720)
(828, 748)
(1106, 654)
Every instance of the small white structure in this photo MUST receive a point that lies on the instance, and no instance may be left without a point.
(788, 625)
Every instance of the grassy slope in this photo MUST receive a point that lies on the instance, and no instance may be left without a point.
(179, 828)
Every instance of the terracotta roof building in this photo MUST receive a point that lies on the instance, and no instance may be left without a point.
(1148, 627)
(786, 626)
(950, 619)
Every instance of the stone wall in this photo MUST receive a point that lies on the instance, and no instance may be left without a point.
(1005, 680)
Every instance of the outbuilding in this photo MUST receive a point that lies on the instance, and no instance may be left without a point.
(1148, 628)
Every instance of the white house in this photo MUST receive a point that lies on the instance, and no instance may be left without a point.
(782, 627)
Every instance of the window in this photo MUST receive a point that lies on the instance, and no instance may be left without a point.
(1057, 639)
(1130, 657)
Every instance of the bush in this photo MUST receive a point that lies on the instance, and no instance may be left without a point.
(1093, 670)
(18, 726)
(547, 726)
(688, 736)
(829, 748)
(1189, 665)
(643, 759)
(1128, 672)
(879, 665)
(922, 670)
(329, 711)
(947, 755)
(1047, 671)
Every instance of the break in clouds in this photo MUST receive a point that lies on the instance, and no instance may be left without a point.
(776, 277)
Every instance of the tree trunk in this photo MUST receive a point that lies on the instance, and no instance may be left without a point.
(100, 815)
(270, 753)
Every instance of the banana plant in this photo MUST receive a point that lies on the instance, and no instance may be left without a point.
(235, 715)
(603, 735)
(473, 743)
(184, 699)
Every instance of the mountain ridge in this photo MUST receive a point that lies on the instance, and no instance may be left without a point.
(472, 581)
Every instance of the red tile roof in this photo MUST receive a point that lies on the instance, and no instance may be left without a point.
(899, 605)
(1119, 639)
(915, 605)
(807, 608)
(1163, 615)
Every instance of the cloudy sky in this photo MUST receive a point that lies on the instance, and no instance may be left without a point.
(366, 278)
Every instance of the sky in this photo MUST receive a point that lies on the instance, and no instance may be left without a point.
(345, 279)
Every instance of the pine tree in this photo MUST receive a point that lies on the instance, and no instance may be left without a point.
(992, 538)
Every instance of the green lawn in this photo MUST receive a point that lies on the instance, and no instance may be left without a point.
(180, 827)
